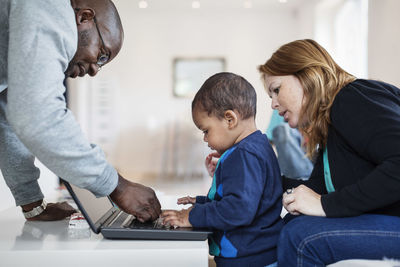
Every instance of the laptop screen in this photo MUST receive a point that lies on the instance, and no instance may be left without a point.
(94, 207)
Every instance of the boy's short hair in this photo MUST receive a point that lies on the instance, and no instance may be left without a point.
(226, 91)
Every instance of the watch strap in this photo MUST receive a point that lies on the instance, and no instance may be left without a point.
(36, 210)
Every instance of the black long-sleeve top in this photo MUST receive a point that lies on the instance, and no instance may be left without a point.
(363, 152)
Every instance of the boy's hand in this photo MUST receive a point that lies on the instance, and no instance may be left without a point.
(186, 200)
(211, 162)
(177, 218)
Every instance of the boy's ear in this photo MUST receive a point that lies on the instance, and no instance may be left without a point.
(231, 118)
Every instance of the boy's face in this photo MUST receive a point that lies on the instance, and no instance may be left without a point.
(216, 131)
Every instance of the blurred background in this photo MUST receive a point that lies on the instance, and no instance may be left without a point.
(138, 108)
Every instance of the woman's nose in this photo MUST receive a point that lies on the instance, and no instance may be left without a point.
(274, 103)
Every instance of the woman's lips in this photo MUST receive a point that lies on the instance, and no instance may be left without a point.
(285, 115)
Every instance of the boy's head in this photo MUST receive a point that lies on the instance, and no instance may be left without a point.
(224, 109)
(226, 91)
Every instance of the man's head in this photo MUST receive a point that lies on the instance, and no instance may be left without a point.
(224, 109)
(100, 36)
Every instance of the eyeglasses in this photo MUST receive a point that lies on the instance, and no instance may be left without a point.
(102, 57)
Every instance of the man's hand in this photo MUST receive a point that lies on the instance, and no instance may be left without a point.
(303, 200)
(53, 212)
(136, 199)
(211, 162)
(177, 218)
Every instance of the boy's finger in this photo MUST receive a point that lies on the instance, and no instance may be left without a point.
(168, 213)
(170, 220)
(215, 154)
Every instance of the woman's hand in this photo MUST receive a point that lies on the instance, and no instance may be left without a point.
(211, 162)
(303, 200)
(186, 200)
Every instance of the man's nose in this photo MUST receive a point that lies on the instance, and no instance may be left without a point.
(93, 69)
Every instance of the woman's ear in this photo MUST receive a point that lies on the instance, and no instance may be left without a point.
(231, 118)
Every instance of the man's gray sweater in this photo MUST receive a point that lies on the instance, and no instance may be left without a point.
(38, 38)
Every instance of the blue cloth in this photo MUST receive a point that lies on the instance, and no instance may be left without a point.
(243, 205)
(319, 241)
(292, 159)
(275, 120)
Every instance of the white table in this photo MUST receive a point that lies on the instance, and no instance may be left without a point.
(24, 243)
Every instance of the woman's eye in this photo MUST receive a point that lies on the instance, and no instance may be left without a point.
(276, 90)
(205, 132)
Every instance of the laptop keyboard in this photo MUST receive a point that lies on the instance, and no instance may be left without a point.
(131, 222)
(157, 224)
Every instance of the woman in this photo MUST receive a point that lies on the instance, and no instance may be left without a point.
(352, 198)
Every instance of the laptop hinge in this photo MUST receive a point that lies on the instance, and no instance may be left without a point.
(109, 217)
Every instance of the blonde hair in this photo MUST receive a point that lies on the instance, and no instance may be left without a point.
(321, 79)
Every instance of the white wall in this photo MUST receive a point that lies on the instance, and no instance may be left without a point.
(384, 41)
(156, 133)
(148, 130)
(342, 29)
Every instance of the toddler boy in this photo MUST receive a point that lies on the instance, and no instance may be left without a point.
(244, 203)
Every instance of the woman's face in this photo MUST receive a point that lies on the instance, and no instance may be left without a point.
(287, 97)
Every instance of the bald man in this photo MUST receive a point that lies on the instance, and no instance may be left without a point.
(41, 43)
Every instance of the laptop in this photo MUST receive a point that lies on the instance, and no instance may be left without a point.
(106, 218)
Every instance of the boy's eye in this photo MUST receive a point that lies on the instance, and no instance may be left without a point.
(205, 132)
(276, 90)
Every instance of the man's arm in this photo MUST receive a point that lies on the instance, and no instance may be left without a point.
(42, 40)
(20, 173)
(17, 163)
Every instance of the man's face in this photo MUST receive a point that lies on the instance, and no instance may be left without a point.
(95, 49)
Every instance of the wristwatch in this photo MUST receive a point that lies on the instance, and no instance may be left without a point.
(35, 211)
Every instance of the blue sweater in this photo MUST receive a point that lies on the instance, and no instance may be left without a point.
(244, 203)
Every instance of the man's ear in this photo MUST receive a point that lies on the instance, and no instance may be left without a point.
(231, 118)
(84, 15)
